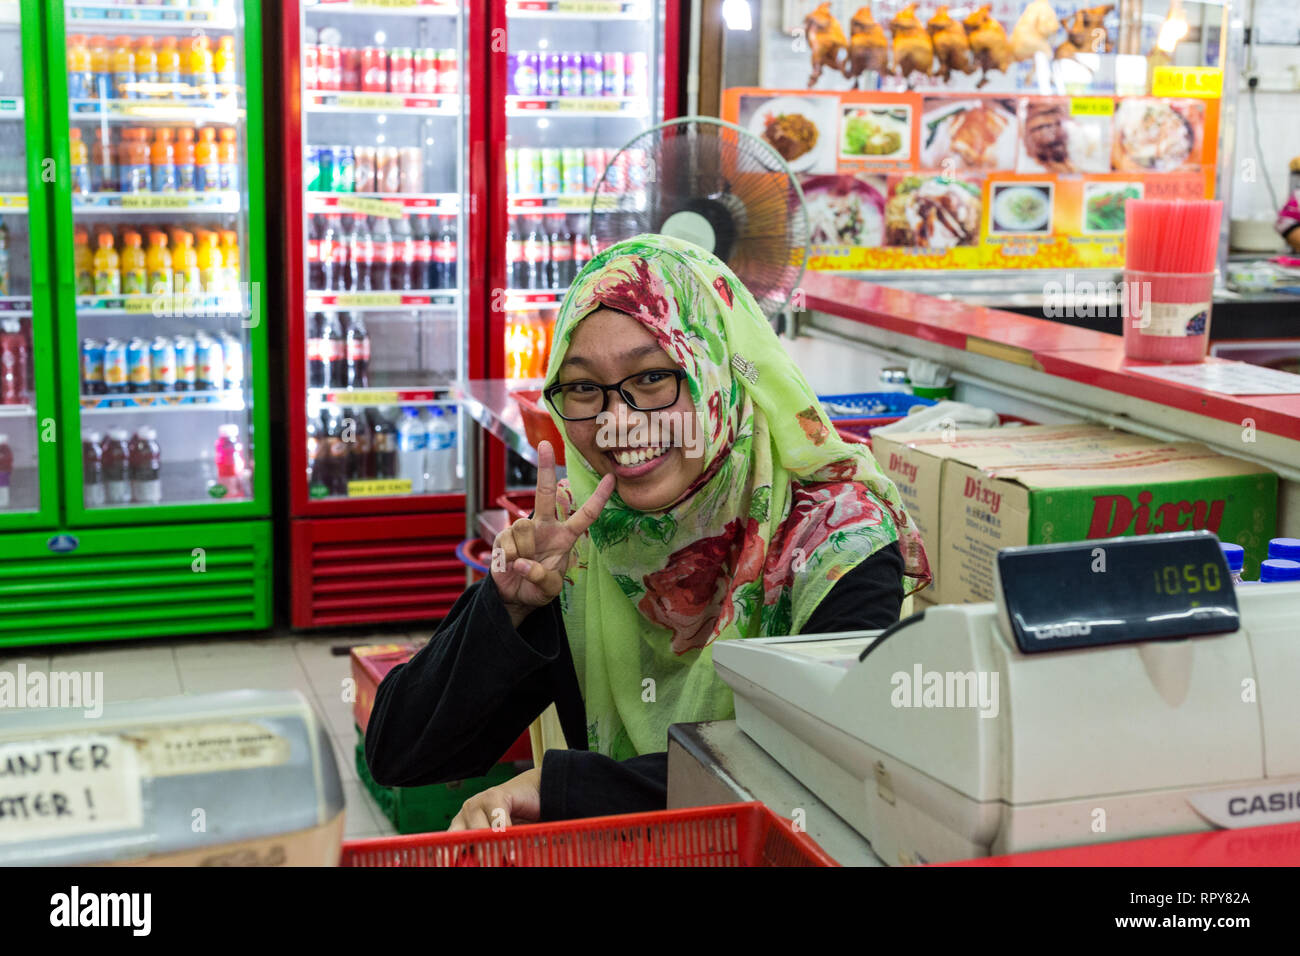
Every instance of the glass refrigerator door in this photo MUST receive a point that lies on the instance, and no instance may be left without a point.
(583, 78)
(383, 126)
(162, 338)
(28, 470)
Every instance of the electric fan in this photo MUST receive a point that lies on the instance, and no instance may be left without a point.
(714, 184)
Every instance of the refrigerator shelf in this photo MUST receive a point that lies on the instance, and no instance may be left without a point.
(205, 305)
(526, 300)
(129, 19)
(626, 107)
(104, 203)
(411, 8)
(13, 204)
(578, 9)
(382, 204)
(224, 401)
(17, 411)
(11, 108)
(380, 301)
(185, 112)
(414, 395)
(521, 204)
(426, 104)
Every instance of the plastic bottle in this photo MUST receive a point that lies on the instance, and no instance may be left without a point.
(4, 258)
(212, 268)
(1235, 555)
(83, 261)
(169, 65)
(6, 469)
(356, 352)
(104, 176)
(79, 158)
(146, 65)
(186, 69)
(123, 61)
(1278, 569)
(183, 150)
(228, 159)
(444, 254)
(360, 461)
(223, 64)
(81, 78)
(229, 454)
(100, 68)
(385, 255)
(163, 162)
(202, 76)
(207, 163)
(401, 265)
(134, 268)
(117, 468)
(412, 442)
(158, 264)
(1285, 548)
(92, 469)
(134, 167)
(185, 267)
(383, 440)
(361, 255)
(108, 274)
(440, 459)
(146, 467)
(230, 258)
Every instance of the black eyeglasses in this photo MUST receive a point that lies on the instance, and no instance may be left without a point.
(645, 391)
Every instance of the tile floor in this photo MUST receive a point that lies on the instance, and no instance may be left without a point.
(305, 662)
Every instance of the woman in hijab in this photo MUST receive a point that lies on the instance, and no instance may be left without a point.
(707, 499)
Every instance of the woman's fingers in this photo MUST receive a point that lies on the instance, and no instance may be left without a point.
(544, 498)
(525, 536)
(547, 580)
(582, 519)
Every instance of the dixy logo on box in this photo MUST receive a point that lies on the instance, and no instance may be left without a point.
(1114, 515)
(900, 465)
(977, 491)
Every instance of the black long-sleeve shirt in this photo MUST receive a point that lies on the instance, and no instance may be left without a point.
(467, 695)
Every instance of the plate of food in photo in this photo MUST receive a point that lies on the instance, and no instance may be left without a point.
(932, 213)
(845, 211)
(801, 129)
(969, 134)
(1021, 208)
(1156, 136)
(1053, 141)
(868, 132)
(1103, 205)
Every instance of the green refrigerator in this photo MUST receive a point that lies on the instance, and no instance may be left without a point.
(138, 499)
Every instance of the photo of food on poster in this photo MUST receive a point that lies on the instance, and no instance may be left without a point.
(911, 180)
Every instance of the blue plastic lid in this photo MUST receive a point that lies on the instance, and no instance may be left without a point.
(1279, 569)
(1288, 548)
(1235, 555)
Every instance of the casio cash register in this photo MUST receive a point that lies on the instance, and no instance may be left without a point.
(1115, 689)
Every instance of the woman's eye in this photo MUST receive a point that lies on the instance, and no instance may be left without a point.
(581, 388)
(653, 378)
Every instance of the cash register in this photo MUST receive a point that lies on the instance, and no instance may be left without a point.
(1115, 689)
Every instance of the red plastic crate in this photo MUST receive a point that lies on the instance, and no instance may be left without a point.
(737, 834)
(538, 424)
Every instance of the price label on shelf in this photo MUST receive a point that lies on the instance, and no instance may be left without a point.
(11, 104)
(385, 3)
(584, 104)
(144, 305)
(363, 300)
(371, 101)
(186, 200)
(13, 201)
(371, 207)
(379, 486)
(1202, 82)
(574, 202)
(1092, 106)
(363, 398)
(589, 6)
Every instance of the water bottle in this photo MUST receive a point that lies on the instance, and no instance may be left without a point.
(1279, 569)
(441, 461)
(412, 444)
(1235, 555)
(1288, 549)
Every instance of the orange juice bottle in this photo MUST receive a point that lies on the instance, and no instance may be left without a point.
(146, 64)
(81, 78)
(185, 266)
(207, 163)
(108, 273)
(100, 68)
(228, 159)
(212, 270)
(79, 157)
(169, 65)
(83, 262)
(223, 64)
(230, 256)
(199, 53)
(158, 264)
(134, 167)
(163, 157)
(134, 274)
(184, 154)
(123, 65)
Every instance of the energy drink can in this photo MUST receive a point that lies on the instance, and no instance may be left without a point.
(311, 170)
(512, 170)
(184, 362)
(162, 361)
(548, 78)
(550, 161)
(526, 78)
(593, 165)
(636, 73)
(593, 74)
(115, 373)
(234, 362)
(92, 367)
(573, 181)
(344, 169)
(570, 74)
(613, 68)
(530, 170)
(210, 360)
(138, 368)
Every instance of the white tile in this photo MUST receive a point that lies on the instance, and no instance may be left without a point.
(235, 653)
(338, 715)
(209, 679)
(363, 817)
(133, 684)
(31, 662)
(345, 756)
(104, 656)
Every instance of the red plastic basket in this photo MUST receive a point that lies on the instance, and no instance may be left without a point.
(518, 504)
(736, 834)
(538, 424)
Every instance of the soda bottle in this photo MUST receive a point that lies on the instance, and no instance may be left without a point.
(100, 68)
(514, 256)
(83, 261)
(146, 467)
(340, 247)
(104, 174)
(201, 74)
(316, 487)
(229, 455)
(536, 256)
(315, 269)
(185, 266)
(423, 272)
(356, 360)
(13, 363)
(331, 268)
(169, 65)
(117, 467)
(108, 276)
(317, 374)
(444, 254)
(333, 456)
(383, 441)
(230, 258)
(123, 61)
(212, 269)
(561, 241)
(223, 64)
(92, 469)
(207, 162)
(228, 157)
(581, 247)
(412, 440)
(385, 255)
(332, 351)
(4, 258)
(210, 362)
(402, 264)
(163, 159)
(360, 450)
(134, 167)
(134, 270)
(81, 79)
(158, 264)
(80, 160)
(6, 469)
(146, 65)
(183, 156)
(361, 255)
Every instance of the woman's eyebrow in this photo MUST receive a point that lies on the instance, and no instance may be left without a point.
(636, 353)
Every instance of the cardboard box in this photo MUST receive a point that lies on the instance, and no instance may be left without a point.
(915, 462)
(1129, 490)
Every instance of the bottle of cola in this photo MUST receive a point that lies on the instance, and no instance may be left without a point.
(403, 261)
(536, 257)
(381, 274)
(361, 255)
(444, 254)
(315, 273)
(383, 441)
(421, 268)
(332, 457)
(515, 273)
(329, 351)
(361, 463)
(317, 367)
(561, 239)
(356, 359)
(343, 254)
(581, 246)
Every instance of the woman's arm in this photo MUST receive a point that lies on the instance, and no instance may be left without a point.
(583, 784)
(457, 705)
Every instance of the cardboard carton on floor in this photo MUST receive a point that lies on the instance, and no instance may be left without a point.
(915, 462)
(1182, 486)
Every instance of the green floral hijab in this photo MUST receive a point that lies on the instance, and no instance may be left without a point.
(782, 510)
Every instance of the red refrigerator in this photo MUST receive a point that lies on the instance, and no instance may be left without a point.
(396, 210)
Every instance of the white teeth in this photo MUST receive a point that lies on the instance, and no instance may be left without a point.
(638, 455)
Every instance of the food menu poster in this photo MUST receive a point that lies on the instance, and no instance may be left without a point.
(952, 181)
